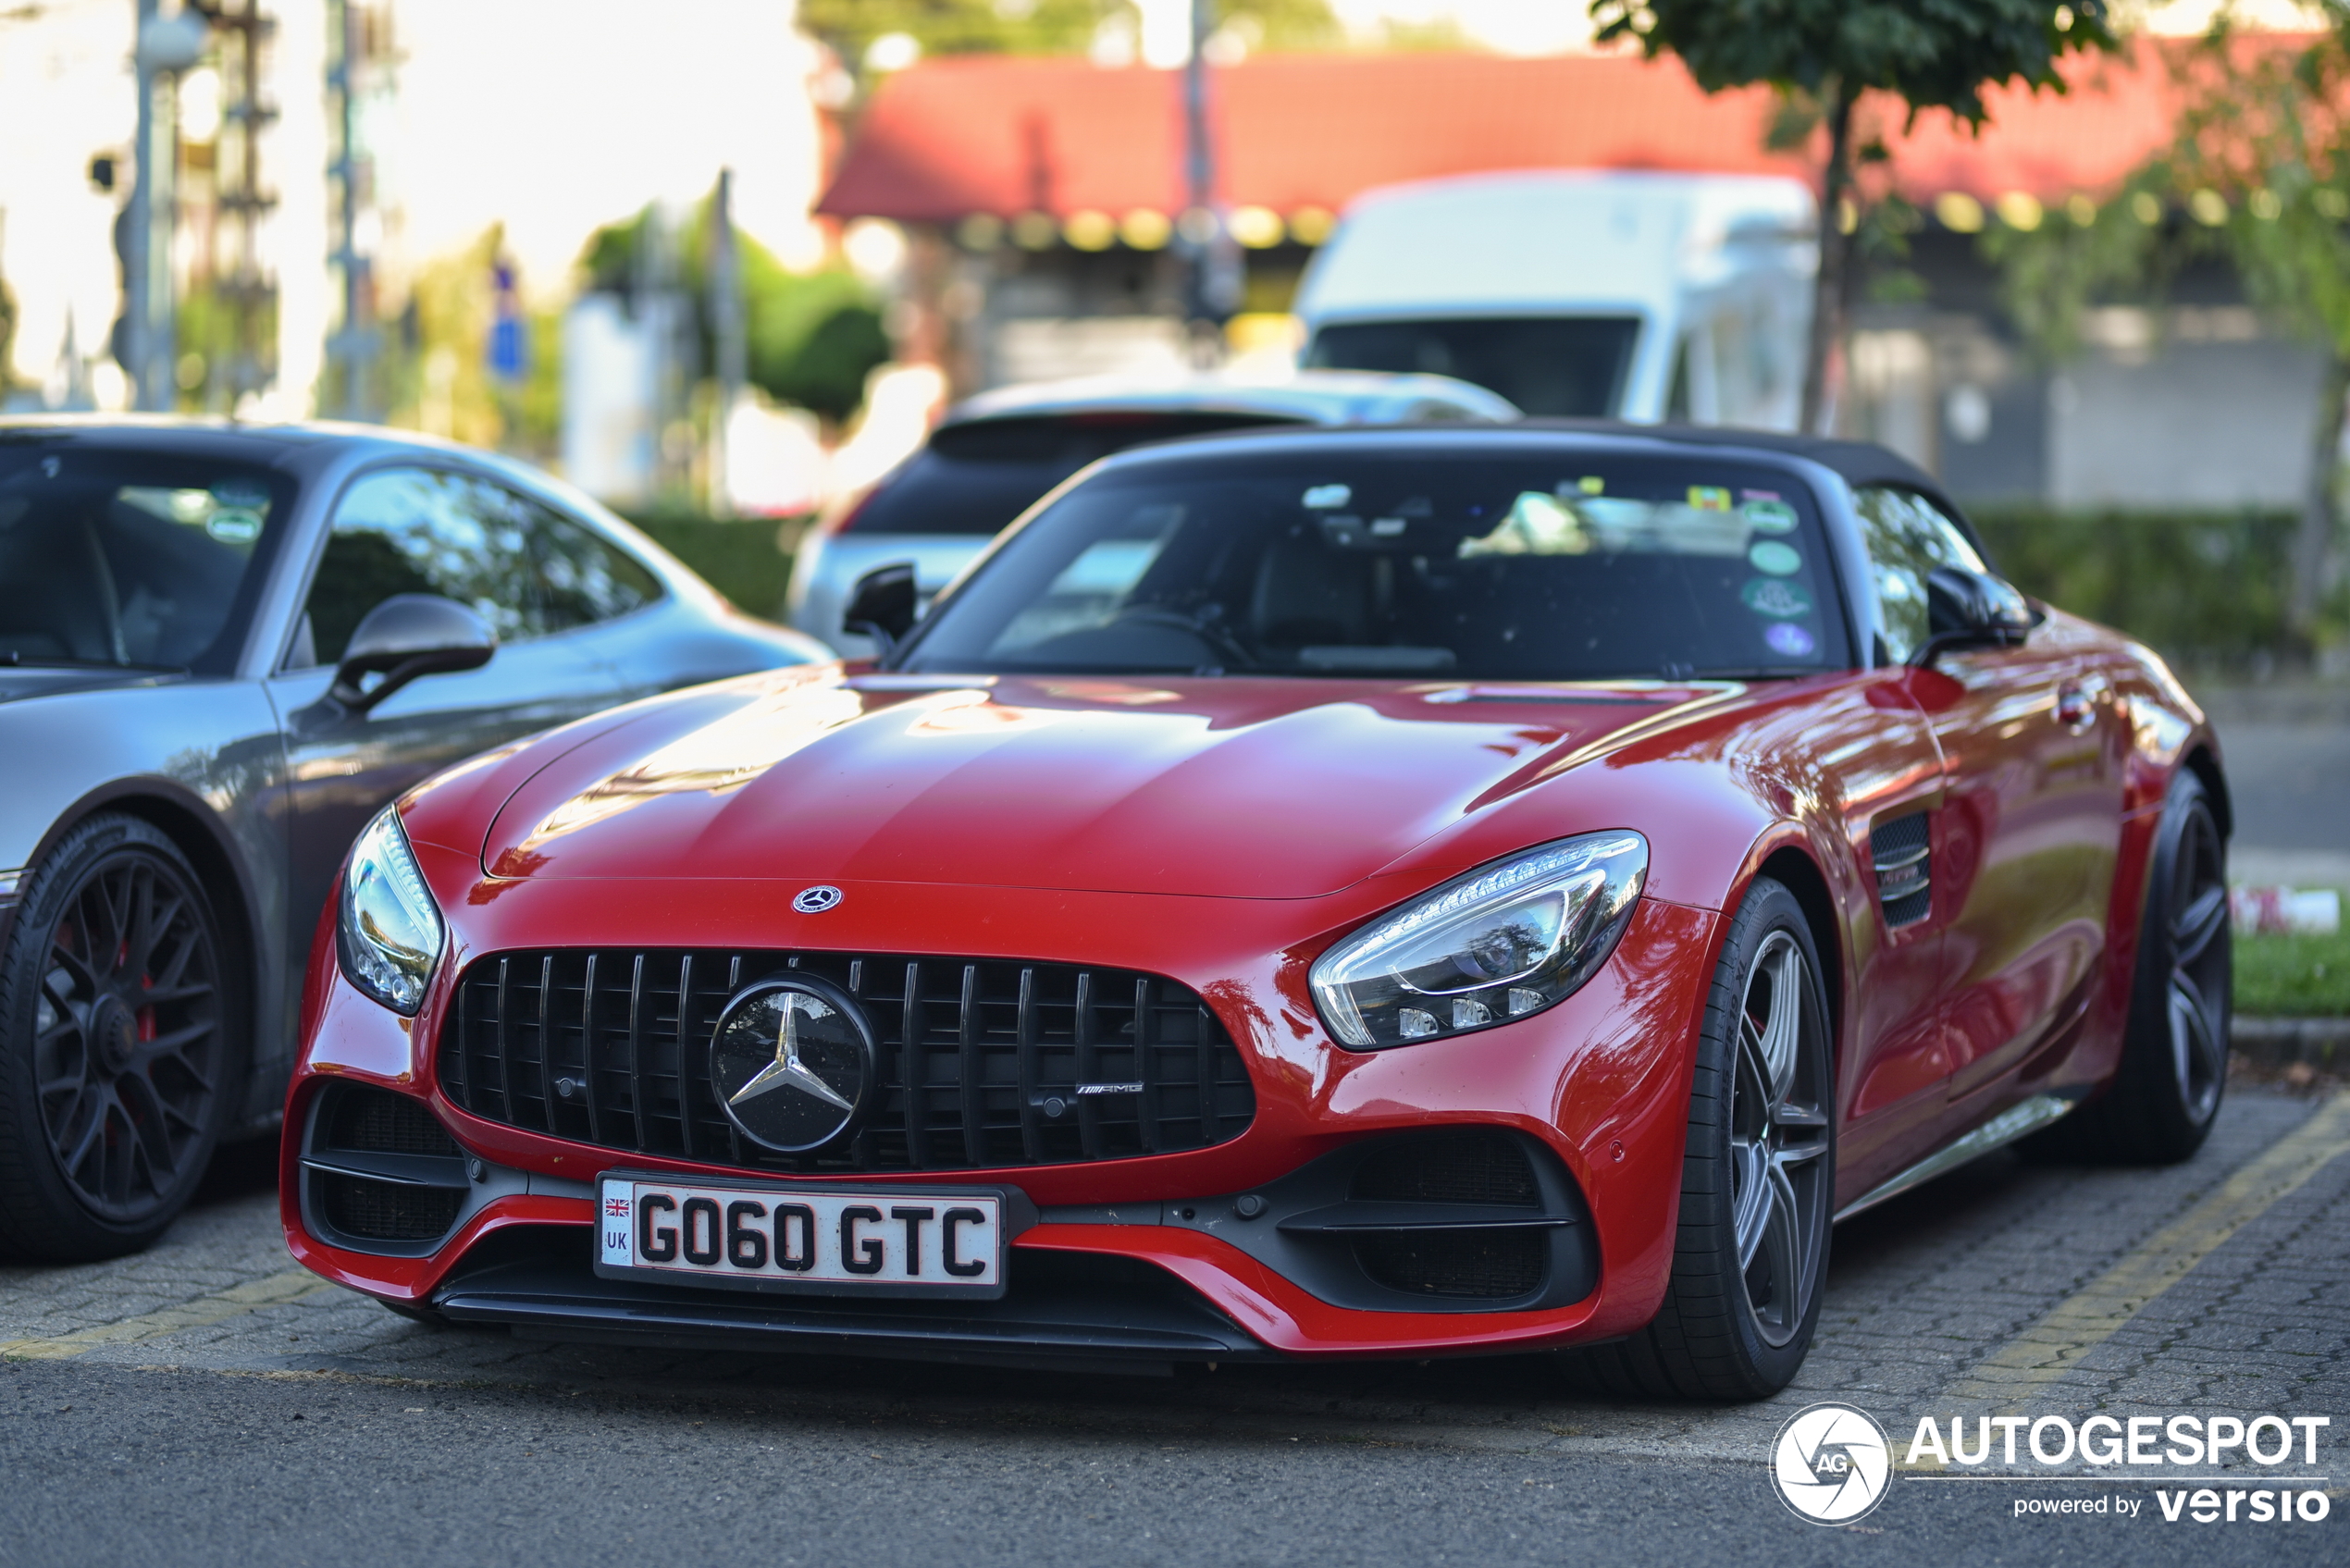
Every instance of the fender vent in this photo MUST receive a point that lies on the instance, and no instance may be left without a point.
(1901, 849)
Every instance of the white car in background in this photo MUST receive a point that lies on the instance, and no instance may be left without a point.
(1685, 298)
(994, 455)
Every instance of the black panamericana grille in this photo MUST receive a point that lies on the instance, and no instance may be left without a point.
(1480, 1168)
(1456, 1168)
(981, 1060)
(1488, 1265)
(385, 1211)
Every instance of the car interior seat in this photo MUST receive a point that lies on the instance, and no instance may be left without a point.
(1306, 593)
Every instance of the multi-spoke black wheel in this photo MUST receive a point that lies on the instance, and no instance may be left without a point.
(1779, 1140)
(1757, 1178)
(117, 1018)
(2174, 1052)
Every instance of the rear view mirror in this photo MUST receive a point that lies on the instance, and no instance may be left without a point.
(882, 603)
(406, 637)
(1968, 608)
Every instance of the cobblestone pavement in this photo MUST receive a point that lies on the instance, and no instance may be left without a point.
(2222, 1284)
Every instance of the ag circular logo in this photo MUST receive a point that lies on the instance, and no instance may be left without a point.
(816, 900)
(794, 1062)
(1832, 1464)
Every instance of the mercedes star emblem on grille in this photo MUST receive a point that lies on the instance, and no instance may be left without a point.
(816, 900)
(793, 1061)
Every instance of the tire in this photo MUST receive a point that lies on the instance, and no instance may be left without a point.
(121, 1032)
(2163, 1098)
(1751, 1254)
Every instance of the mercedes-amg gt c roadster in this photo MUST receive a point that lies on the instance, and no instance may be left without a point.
(1359, 893)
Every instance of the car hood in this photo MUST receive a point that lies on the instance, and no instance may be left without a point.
(1241, 788)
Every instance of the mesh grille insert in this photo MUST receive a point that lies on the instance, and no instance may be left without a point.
(375, 1120)
(1470, 1167)
(1491, 1265)
(980, 1059)
(387, 1211)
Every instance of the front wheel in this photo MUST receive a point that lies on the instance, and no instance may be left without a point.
(118, 1054)
(1752, 1251)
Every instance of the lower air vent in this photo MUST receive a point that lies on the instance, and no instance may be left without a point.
(384, 1123)
(381, 1174)
(1468, 1168)
(1901, 849)
(387, 1211)
(1474, 1264)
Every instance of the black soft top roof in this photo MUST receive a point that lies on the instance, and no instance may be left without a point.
(1859, 462)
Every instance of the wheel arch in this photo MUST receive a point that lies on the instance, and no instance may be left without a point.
(2205, 765)
(1799, 874)
(196, 832)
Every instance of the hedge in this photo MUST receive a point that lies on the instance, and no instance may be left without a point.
(740, 558)
(2207, 589)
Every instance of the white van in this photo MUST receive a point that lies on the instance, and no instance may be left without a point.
(1631, 296)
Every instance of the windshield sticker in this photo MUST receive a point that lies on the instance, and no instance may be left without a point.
(1709, 498)
(1321, 498)
(1786, 637)
(1769, 516)
(233, 526)
(1589, 484)
(1778, 559)
(251, 494)
(1776, 596)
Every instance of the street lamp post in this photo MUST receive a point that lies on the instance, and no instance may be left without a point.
(144, 339)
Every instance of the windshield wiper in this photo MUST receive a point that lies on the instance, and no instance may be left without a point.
(1756, 673)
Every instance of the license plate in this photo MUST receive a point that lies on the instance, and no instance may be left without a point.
(884, 1242)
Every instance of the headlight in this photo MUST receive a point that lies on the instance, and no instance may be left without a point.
(389, 932)
(1503, 941)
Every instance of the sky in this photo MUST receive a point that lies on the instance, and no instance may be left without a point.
(550, 116)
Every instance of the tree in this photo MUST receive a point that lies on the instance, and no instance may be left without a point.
(2256, 173)
(1824, 55)
(812, 338)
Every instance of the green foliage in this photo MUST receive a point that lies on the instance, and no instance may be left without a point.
(1931, 54)
(742, 559)
(812, 338)
(2205, 589)
(2298, 976)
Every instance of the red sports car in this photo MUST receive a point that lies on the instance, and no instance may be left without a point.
(1347, 894)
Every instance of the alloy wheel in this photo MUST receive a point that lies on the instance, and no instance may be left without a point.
(1778, 1139)
(126, 1042)
(2196, 987)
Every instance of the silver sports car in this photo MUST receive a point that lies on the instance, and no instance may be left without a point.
(222, 648)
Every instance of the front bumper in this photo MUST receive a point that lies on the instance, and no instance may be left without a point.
(1143, 1259)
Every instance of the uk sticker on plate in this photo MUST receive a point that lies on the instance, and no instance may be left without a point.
(888, 1242)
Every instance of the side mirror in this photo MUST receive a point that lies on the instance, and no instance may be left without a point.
(880, 605)
(406, 637)
(1968, 608)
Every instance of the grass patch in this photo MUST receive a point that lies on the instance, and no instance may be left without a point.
(2298, 976)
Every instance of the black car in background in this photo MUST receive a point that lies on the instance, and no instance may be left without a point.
(223, 649)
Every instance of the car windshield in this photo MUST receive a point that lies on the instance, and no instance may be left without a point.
(1469, 563)
(124, 557)
(976, 477)
(1566, 366)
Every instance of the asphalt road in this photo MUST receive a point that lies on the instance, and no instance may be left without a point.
(205, 1402)
(2287, 752)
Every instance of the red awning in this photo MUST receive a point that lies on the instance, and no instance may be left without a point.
(953, 137)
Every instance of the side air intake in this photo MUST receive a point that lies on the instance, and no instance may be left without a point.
(1901, 849)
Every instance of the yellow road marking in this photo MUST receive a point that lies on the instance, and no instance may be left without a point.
(2055, 1344)
(277, 1289)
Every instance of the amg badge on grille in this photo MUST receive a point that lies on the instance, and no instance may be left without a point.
(793, 1061)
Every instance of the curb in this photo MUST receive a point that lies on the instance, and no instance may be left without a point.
(2282, 1041)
